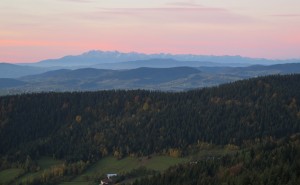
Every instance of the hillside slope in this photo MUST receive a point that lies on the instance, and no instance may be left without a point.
(9, 83)
(270, 162)
(89, 125)
(14, 71)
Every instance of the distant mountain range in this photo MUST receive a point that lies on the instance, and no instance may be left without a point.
(255, 70)
(96, 79)
(109, 58)
(13, 71)
(9, 82)
(118, 60)
(19, 70)
(166, 79)
(98, 70)
(161, 63)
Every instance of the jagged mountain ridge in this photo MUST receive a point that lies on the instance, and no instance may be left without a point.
(97, 57)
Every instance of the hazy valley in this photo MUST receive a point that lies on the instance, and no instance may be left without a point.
(176, 73)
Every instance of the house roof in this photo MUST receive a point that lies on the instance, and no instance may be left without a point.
(106, 181)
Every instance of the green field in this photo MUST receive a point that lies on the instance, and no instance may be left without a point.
(44, 163)
(76, 183)
(113, 165)
(106, 165)
(157, 163)
(214, 152)
(10, 174)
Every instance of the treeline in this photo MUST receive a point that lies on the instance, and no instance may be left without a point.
(270, 162)
(90, 125)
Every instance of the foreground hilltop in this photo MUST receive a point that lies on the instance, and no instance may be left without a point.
(88, 125)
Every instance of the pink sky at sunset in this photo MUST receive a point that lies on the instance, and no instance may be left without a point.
(33, 30)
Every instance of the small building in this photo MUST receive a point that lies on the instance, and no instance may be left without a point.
(111, 175)
(108, 180)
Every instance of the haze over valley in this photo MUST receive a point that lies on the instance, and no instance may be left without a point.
(98, 70)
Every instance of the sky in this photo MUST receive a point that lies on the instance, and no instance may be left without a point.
(33, 30)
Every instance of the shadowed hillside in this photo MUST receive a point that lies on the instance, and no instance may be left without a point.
(88, 125)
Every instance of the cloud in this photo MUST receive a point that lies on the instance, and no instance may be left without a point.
(174, 14)
(184, 4)
(78, 1)
(286, 15)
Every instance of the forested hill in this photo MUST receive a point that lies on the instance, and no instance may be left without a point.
(90, 125)
(271, 162)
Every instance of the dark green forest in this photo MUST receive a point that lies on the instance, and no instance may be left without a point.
(86, 126)
(89, 125)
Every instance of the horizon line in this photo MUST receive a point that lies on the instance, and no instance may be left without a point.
(150, 53)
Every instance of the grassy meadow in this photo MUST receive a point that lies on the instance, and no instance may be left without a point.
(107, 165)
